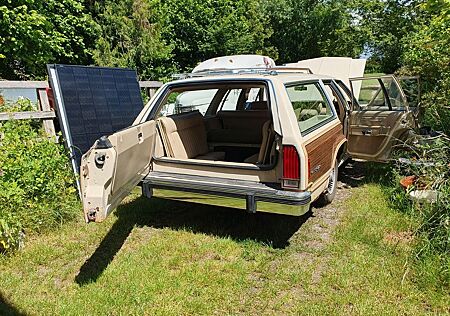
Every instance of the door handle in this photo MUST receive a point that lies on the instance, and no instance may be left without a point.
(140, 137)
(366, 132)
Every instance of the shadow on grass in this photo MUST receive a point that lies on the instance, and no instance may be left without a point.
(7, 308)
(269, 229)
(357, 173)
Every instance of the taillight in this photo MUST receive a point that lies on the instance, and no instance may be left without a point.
(291, 167)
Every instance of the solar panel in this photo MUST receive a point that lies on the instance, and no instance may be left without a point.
(92, 102)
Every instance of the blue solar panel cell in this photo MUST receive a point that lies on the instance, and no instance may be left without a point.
(97, 101)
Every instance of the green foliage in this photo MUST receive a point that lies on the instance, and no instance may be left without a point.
(427, 52)
(160, 37)
(384, 26)
(130, 39)
(306, 29)
(430, 164)
(36, 32)
(11, 235)
(198, 30)
(36, 182)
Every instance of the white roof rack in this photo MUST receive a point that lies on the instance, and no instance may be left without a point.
(243, 71)
(243, 64)
(235, 62)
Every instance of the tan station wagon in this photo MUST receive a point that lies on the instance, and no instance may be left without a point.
(268, 140)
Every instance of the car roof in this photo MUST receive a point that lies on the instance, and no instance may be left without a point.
(284, 77)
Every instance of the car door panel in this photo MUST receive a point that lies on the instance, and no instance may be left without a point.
(379, 119)
(113, 166)
(372, 133)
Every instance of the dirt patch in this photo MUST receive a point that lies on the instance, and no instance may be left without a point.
(318, 230)
(325, 219)
(395, 238)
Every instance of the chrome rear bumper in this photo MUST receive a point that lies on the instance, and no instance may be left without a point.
(248, 195)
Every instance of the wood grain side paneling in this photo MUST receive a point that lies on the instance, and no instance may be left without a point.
(321, 152)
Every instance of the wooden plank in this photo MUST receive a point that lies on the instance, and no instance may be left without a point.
(151, 92)
(150, 84)
(49, 126)
(10, 84)
(6, 116)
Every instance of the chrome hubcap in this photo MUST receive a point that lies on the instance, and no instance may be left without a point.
(332, 181)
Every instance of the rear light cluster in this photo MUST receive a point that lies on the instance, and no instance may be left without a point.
(291, 167)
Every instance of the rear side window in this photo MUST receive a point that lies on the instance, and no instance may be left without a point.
(377, 94)
(230, 100)
(310, 105)
(248, 98)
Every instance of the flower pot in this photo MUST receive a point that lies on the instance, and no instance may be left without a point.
(408, 181)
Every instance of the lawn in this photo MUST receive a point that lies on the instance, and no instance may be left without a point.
(162, 257)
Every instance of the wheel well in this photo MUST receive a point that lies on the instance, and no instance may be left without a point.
(341, 152)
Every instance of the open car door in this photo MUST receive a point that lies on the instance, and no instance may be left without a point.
(113, 167)
(380, 117)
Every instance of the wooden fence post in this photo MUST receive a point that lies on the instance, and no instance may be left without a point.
(49, 126)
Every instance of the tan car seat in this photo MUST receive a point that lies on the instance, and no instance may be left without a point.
(267, 139)
(184, 137)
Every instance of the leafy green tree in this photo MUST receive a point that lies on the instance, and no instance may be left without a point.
(201, 29)
(37, 32)
(129, 38)
(384, 24)
(312, 28)
(427, 53)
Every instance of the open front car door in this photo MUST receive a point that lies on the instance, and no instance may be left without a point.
(380, 117)
(113, 167)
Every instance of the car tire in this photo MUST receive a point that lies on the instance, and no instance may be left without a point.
(328, 195)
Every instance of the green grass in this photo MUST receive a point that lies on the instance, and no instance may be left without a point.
(169, 258)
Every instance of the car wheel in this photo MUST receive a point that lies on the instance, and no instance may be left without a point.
(328, 195)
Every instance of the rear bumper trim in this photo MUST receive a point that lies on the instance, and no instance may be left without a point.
(227, 188)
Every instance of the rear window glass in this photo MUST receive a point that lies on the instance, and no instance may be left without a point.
(378, 94)
(188, 101)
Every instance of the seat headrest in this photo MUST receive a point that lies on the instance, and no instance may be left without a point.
(259, 105)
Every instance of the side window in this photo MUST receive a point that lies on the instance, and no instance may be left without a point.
(251, 98)
(371, 95)
(347, 94)
(336, 100)
(230, 100)
(394, 94)
(310, 105)
(378, 94)
(255, 99)
(187, 101)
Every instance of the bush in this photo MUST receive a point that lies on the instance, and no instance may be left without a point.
(36, 182)
(427, 53)
(429, 162)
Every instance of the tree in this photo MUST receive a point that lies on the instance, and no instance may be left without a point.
(312, 28)
(129, 38)
(37, 32)
(427, 53)
(201, 29)
(384, 25)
